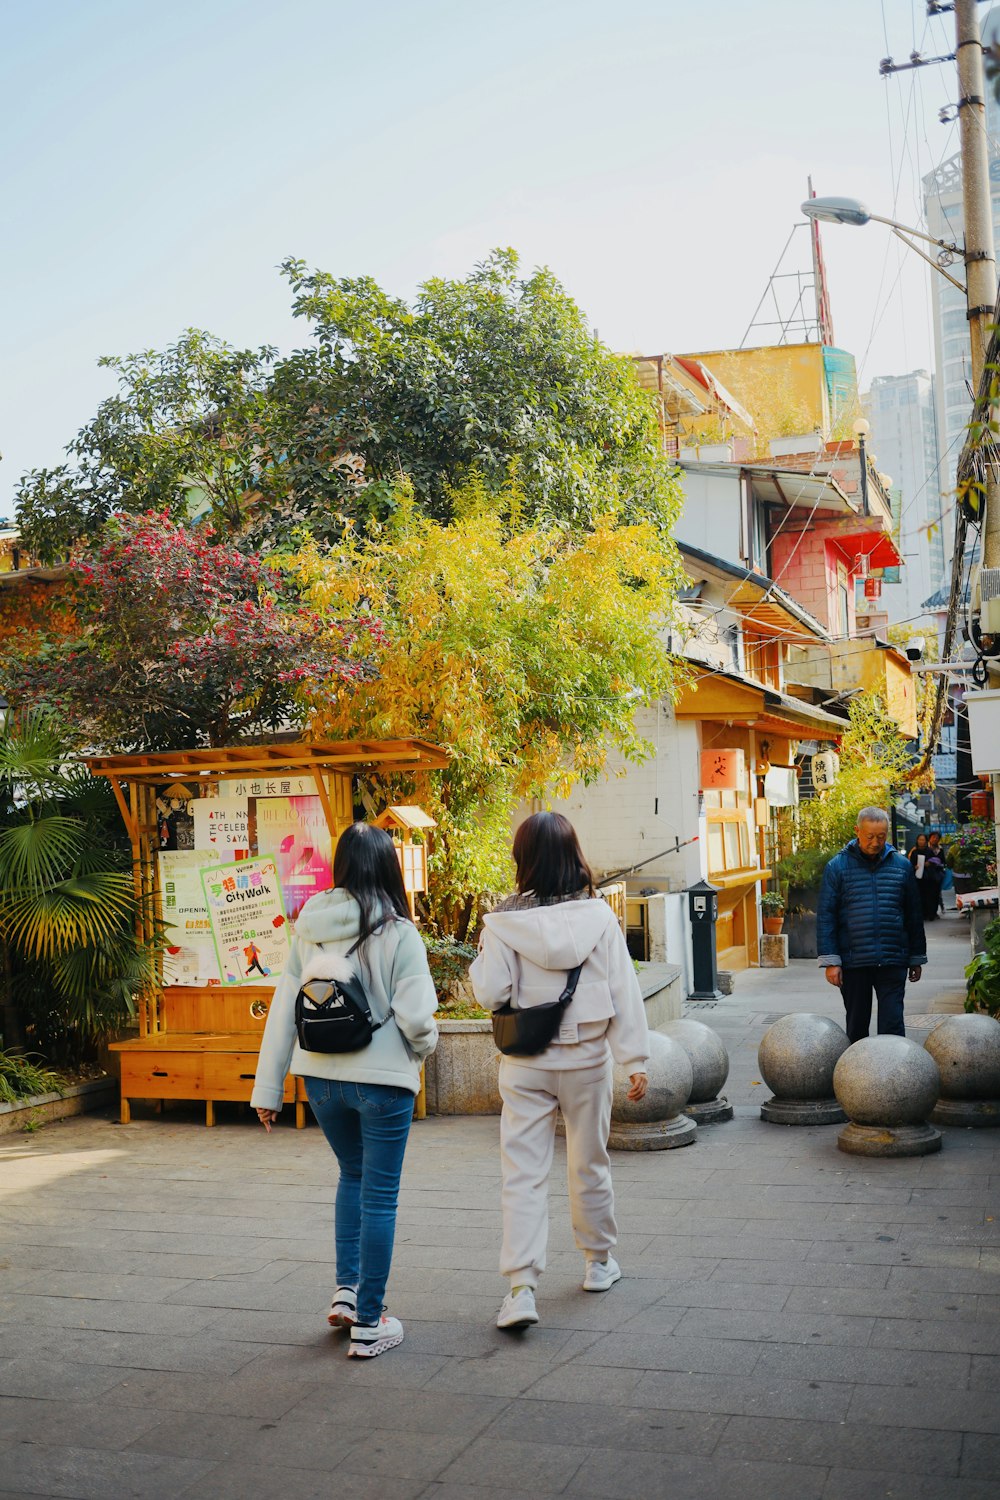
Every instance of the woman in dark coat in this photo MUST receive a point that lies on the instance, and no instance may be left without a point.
(928, 866)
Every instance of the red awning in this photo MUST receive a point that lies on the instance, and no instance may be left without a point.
(877, 546)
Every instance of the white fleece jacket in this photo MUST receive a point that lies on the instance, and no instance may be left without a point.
(395, 976)
(523, 960)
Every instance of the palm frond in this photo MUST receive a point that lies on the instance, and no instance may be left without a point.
(32, 753)
(40, 853)
(79, 912)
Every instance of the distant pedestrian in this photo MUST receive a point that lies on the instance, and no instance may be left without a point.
(363, 1100)
(938, 852)
(869, 926)
(530, 944)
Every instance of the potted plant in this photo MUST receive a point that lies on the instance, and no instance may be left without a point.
(800, 875)
(772, 904)
(971, 854)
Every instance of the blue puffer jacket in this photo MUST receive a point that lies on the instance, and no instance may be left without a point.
(869, 911)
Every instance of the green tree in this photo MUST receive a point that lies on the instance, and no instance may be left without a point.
(525, 652)
(182, 434)
(496, 375)
(874, 761)
(72, 964)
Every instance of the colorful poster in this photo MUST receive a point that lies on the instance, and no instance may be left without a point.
(222, 824)
(248, 920)
(189, 956)
(294, 830)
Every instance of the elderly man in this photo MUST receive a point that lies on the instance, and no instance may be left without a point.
(869, 928)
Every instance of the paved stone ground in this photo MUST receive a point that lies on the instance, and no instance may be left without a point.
(795, 1324)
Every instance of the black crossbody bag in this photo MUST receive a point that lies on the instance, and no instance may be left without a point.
(333, 1015)
(525, 1033)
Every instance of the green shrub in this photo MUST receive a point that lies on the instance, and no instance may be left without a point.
(772, 903)
(983, 975)
(804, 868)
(20, 1078)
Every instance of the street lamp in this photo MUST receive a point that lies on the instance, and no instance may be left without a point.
(852, 211)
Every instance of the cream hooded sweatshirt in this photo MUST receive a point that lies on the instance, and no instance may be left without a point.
(524, 957)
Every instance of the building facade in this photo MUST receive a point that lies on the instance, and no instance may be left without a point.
(904, 443)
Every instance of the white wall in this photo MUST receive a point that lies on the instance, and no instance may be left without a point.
(636, 811)
(711, 515)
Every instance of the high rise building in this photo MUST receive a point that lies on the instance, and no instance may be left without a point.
(904, 444)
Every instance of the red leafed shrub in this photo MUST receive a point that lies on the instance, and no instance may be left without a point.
(185, 640)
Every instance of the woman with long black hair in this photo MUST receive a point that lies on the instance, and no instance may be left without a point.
(533, 939)
(363, 1100)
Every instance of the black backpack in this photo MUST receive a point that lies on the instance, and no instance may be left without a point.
(333, 1015)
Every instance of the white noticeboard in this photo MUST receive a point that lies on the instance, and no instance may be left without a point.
(189, 955)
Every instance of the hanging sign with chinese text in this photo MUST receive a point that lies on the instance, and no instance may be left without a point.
(722, 770)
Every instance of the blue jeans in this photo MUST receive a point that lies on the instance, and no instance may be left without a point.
(367, 1125)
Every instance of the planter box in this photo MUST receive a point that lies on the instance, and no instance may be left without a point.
(800, 925)
(461, 1075)
(42, 1109)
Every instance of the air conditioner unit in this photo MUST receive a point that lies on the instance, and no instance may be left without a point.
(989, 601)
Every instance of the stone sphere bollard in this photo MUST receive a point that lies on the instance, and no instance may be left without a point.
(710, 1067)
(655, 1123)
(888, 1085)
(967, 1052)
(796, 1058)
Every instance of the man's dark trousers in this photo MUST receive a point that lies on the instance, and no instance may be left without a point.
(889, 983)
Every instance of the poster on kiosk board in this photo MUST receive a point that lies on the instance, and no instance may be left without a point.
(249, 926)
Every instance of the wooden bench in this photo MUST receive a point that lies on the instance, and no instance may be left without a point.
(200, 1043)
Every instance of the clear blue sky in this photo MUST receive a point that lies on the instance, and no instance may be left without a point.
(160, 160)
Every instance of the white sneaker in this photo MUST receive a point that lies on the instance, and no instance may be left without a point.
(518, 1309)
(367, 1342)
(344, 1308)
(601, 1274)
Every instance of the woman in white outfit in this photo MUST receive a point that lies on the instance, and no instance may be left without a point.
(529, 944)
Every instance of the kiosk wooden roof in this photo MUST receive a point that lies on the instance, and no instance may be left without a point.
(346, 757)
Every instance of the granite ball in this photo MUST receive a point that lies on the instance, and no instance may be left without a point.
(887, 1081)
(966, 1049)
(670, 1082)
(707, 1055)
(798, 1054)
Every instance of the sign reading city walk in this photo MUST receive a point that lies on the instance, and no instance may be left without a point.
(249, 926)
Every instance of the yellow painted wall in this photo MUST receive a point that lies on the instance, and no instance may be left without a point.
(783, 386)
(864, 667)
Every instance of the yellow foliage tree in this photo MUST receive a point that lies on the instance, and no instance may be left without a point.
(524, 651)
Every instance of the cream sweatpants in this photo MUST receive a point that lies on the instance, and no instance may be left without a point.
(527, 1137)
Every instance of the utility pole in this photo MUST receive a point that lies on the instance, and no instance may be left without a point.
(977, 208)
(980, 255)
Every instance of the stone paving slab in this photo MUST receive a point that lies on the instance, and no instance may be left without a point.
(793, 1323)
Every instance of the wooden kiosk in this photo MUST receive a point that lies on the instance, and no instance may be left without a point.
(202, 1041)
